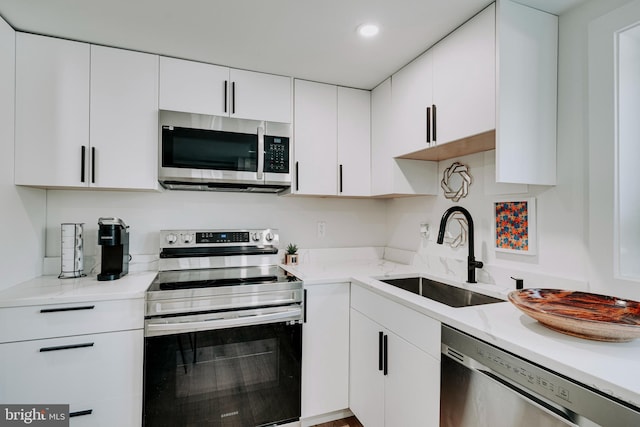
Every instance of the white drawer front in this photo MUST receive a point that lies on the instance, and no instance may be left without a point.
(88, 372)
(417, 328)
(59, 320)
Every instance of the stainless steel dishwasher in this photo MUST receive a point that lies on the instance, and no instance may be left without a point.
(483, 385)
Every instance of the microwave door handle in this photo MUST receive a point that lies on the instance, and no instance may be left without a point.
(260, 175)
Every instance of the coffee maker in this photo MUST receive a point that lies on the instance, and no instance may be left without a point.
(113, 236)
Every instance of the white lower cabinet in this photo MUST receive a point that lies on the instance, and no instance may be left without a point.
(394, 363)
(98, 374)
(325, 349)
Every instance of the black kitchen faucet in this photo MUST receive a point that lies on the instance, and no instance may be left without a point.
(472, 264)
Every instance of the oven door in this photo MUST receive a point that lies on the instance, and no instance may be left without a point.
(239, 376)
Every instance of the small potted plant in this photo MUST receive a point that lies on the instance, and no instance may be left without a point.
(291, 257)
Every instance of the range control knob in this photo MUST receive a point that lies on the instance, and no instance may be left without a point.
(171, 238)
(256, 237)
(269, 237)
(187, 238)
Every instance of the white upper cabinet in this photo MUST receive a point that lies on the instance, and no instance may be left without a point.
(493, 86)
(526, 95)
(332, 140)
(448, 93)
(316, 138)
(200, 88)
(354, 142)
(260, 96)
(86, 116)
(389, 176)
(411, 104)
(193, 87)
(52, 112)
(464, 80)
(124, 119)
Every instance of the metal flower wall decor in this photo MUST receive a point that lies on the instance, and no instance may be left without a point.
(456, 181)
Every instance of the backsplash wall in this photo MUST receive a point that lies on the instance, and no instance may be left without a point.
(348, 222)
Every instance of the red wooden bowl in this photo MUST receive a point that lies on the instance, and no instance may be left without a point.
(581, 314)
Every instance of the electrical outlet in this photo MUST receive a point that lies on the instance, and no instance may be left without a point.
(424, 230)
(322, 229)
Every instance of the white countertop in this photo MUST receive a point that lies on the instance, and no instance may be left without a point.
(51, 290)
(609, 367)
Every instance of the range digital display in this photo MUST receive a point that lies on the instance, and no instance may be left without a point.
(222, 237)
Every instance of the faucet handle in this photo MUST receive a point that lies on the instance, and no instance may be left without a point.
(519, 282)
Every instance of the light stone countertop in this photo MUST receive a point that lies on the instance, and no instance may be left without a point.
(51, 290)
(612, 368)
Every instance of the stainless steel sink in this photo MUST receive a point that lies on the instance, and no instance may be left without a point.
(441, 292)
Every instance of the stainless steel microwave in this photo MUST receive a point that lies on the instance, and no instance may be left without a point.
(226, 155)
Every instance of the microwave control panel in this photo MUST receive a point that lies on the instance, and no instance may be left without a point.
(276, 154)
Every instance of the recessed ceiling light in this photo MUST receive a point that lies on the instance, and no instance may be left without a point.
(368, 30)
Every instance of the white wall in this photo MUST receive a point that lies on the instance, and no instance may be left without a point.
(22, 211)
(560, 247)
(349, 222)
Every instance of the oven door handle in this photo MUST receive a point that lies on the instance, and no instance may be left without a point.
(173, 325)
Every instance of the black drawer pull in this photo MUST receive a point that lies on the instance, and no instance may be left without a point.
(66, 347)
(385, 350)
(434, 123)
(380, 351)
(428, 125)
(80, 413)
(57, 310)
(82, 162)
(305, 307)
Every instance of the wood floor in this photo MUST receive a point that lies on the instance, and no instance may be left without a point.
(345, 422)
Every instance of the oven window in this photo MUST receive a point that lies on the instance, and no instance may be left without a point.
(209, 149)
(244, 376)
(224, 368)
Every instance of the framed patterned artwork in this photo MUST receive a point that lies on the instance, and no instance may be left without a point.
(515, 226)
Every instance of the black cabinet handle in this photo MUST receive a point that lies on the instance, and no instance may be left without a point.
(83, 152)
(385, 370)
(66, 347)
(297, 178)
(80, 413)
(57, 310)
(428, 125)
(380, 351)
(226, 94)
(93, 165)
(233, 97)
(341, 178)
(304, 312)
(434, 123)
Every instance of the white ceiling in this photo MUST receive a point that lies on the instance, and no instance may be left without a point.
(309, 39)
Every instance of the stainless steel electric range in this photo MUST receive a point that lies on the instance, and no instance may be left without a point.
(223, 332)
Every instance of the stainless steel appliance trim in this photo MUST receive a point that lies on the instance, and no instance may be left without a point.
(164, 304)
(211, 321)
(205, 176)
(257, 238)
(168, 264)
(577, 400)
(260, 174)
